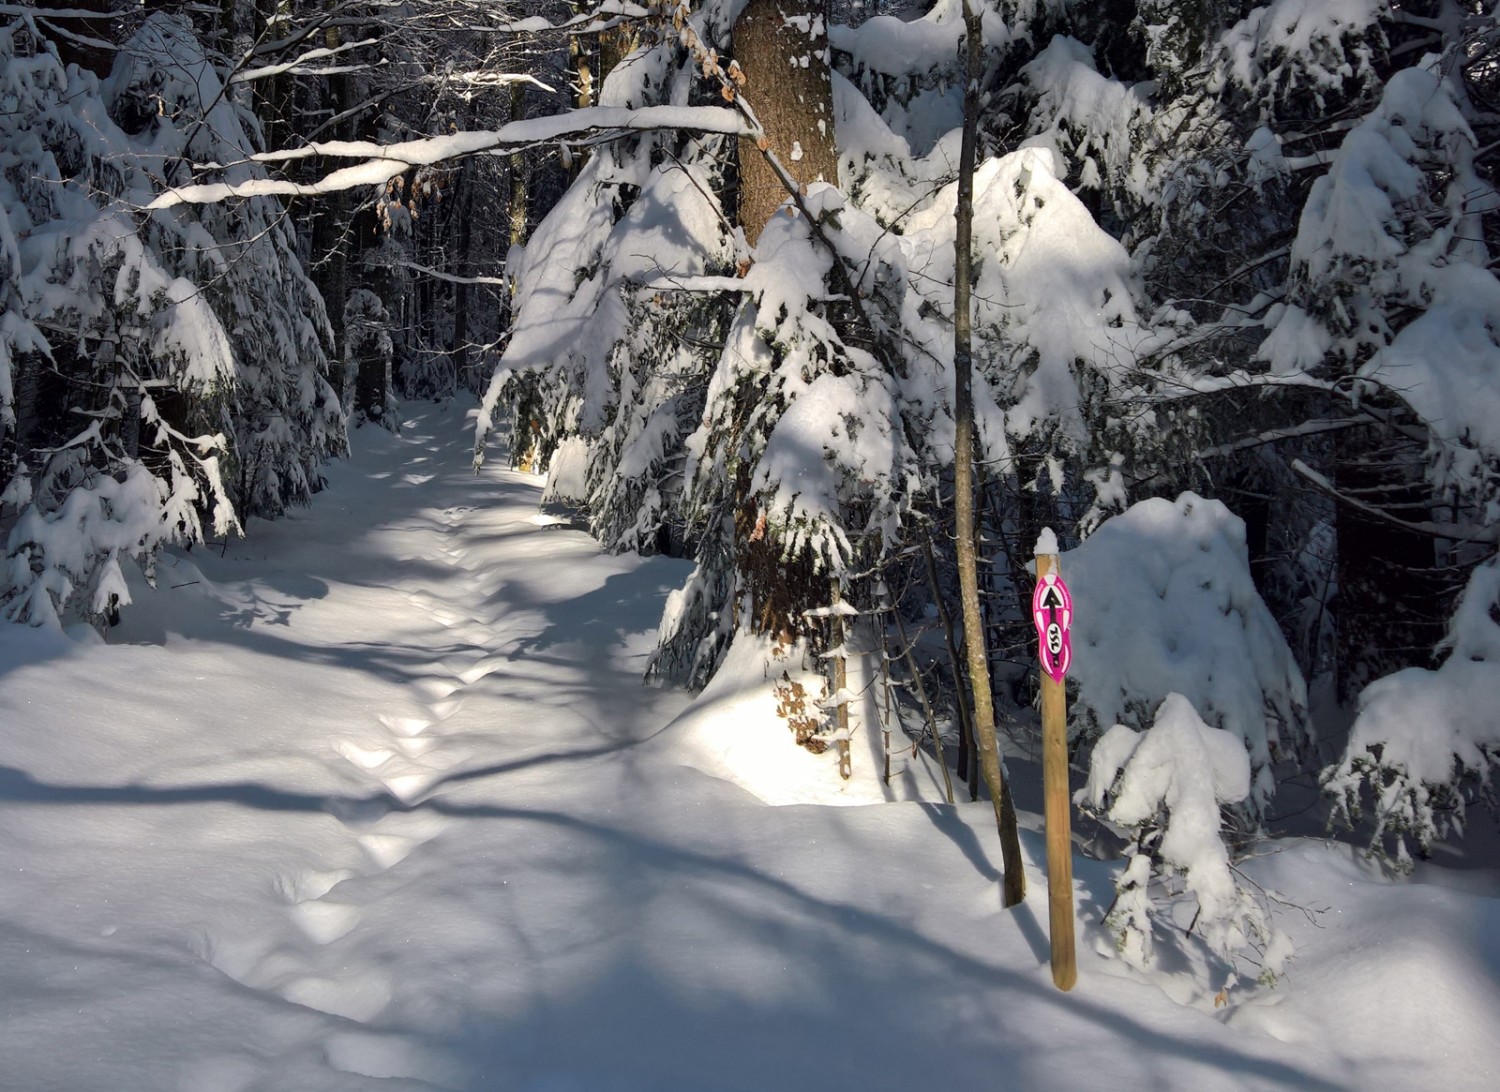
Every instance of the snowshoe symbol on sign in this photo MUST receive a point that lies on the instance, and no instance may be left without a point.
(1052, 611)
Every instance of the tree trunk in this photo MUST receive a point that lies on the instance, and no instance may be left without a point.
(963, 479)
(615, 45)
(272, 98)
(519, 217)
(782, 47)
(464, 266)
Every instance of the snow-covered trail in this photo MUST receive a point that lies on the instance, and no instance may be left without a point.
(364, 804)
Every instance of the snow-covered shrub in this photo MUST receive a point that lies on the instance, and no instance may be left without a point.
(1096, 125)
(1165, 788)
(91, 507)
(1166, 604)
(699, 620)
(1391, 279)
(1055, 318)
(98, 320)
(1396, 209)
(608, 349)
(907, 71)
(1425, 744)
(1392, 298)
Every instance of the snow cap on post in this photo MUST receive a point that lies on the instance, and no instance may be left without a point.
(1046, 543)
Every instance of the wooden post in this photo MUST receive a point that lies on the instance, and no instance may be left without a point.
(1059, 821)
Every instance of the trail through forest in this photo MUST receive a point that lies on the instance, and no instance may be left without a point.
(376, 799)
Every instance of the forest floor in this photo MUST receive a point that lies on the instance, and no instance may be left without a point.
(367, 802)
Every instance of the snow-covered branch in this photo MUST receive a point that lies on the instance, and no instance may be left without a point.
(1276, 435)
(385, 161)
(61, 31)
(1455, 531)
(56, 13)
(451, 278)
(476, 79)
(295, 64)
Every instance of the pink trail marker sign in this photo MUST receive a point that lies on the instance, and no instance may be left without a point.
(1052, 611)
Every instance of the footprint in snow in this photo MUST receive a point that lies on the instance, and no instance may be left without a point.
(408, 787)
(360, 813)
(310, 883)
(358, 996)
(444, 613)
(405, 726)
(365, 758)
(415, 746)
(323, 922)
(442, 710)
(434, 688)
(479, 669)
(389, 850)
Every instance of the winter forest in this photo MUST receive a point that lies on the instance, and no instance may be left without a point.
(481, 479)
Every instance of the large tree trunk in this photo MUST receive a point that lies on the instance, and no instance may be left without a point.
(782, 47)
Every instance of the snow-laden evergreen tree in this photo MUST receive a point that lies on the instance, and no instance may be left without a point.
(1422, 747)
(166, 373)
(285, 418)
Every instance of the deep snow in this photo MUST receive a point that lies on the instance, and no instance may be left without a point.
(363, 803)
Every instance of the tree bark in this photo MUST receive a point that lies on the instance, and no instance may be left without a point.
(963, 478)
(782, 48)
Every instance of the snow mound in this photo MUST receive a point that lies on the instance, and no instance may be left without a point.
(567, 472)
(1386, 962)
(1164, 603)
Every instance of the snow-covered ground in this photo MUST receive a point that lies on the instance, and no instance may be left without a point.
(368, 802)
